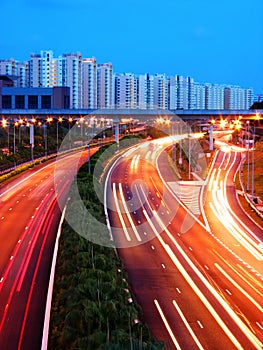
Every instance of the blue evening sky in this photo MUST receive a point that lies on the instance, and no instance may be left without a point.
(215, 41)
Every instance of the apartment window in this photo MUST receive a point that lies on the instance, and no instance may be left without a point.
(19, 101)
(45, 102)
(6, 101)
(33, 102)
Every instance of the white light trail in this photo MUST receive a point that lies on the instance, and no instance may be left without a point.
(167, 325)
(119, 212)
(128, 214)
(187, 325)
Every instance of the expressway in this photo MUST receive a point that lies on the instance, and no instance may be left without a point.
(29, 216)
(197, 279)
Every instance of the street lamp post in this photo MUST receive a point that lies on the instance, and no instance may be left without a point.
(253, 166)
(70, 119)
(248, 160)
(60, 119)
(14, 151)
(45, 125)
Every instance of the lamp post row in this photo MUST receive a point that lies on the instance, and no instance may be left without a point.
(5, 123)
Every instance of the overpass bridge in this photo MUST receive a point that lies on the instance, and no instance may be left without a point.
(140, 114)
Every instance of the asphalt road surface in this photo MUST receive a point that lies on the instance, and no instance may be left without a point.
(198, 278)
(29, 217)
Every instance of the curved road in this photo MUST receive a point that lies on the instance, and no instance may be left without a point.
(199, 287)
(29, 216)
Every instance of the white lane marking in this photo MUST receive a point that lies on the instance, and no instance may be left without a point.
(200, 324)
(167, 325)
(187, 325)
(198, 291)
(247, 295)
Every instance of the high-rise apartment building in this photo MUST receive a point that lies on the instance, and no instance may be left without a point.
(46, 60)
(214, 96)
(182, 92)
(172, 91)
(89, 83)
(199, 93)
(8, 67)
(126, 91)
(17, 70)
(22, 74)
(142, 100)
(160, 91)
(237, 98)
(105, 93)
(34, 71)
(149, 91)
(70, 74)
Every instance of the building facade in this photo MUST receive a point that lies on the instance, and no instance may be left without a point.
(34, 98)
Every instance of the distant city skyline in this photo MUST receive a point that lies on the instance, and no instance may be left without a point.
(212, 42)
(94, 85)
(83, 57)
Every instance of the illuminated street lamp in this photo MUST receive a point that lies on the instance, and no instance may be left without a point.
(5, 125)
(70, 120)
(222, 123)
(20, 123)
